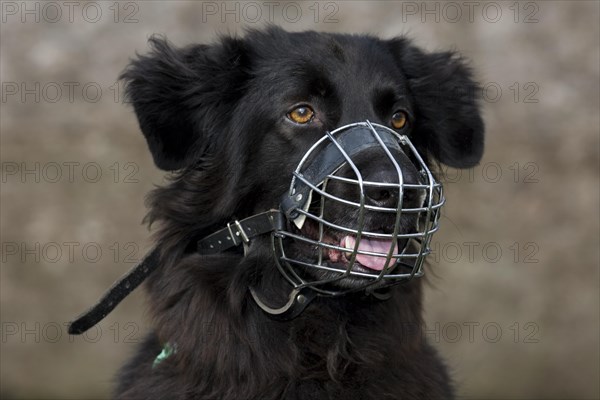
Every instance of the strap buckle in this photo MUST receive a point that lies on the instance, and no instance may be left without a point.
(240, 233)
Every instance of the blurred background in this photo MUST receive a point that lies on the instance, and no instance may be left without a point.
(513, 299)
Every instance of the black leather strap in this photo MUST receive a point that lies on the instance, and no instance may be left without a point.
(113, 296)
(234, 234)
(238, 232)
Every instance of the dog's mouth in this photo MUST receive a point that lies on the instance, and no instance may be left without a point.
(338, 250)
(364, 261)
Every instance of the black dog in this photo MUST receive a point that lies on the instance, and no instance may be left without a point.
(234, 119)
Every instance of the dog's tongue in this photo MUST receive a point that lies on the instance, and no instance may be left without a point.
(371, 245)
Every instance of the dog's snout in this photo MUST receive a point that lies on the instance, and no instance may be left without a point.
(382, 196)
(384, 176)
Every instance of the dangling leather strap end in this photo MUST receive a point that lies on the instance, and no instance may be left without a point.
(117, 292)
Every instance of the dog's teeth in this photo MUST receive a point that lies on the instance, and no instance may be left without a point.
(346, 242)
(347, 245)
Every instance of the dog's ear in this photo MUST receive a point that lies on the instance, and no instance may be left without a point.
(448, 118)
(181, 95)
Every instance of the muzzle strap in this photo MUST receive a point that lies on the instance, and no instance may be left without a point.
(117, 292)
(238, 232)
(234, 234)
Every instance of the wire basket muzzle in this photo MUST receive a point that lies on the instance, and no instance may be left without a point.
(331, 243)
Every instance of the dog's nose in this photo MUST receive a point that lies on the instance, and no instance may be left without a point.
(382, 196)
(387, 195)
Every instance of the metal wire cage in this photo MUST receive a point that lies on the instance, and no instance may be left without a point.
(310, 181)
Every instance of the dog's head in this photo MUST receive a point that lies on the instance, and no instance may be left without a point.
(239, 117)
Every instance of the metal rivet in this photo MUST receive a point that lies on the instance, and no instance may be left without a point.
(299, 197)
(228, 238)
(301, 299)
(219, 242)
(212, 247)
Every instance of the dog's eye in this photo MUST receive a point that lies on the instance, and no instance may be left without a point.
(301, 115)
(399, 119)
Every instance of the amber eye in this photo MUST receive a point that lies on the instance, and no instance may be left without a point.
(301, 115)
(399, 119)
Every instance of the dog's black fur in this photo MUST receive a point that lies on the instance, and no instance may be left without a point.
(217, 115)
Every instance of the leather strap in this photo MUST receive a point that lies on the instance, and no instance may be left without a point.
(234, 234)
(238, 232)
(117, 292)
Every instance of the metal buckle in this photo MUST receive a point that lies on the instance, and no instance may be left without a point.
(240, 232)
